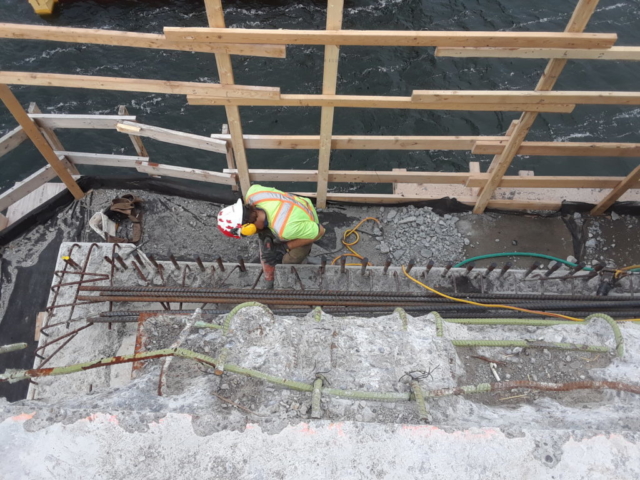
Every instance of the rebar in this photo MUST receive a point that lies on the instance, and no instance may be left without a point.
(139, 271)
(199, 263)
(447, 267)
(12, 347)
(220, 263)
(577, 268)
(553, 269)
(323, 264)
(505, 269)
(176, 265)
(429, 267)
(423, 413)
(241, 265)
(343, 264)
(387, 264)
(490, 269)
(119, 259)
(469, 267)
(153, 261)
(138, 259)
(363, 267)
(534, 266)
(410, 265)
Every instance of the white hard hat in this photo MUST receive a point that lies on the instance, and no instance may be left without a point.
(230, 220)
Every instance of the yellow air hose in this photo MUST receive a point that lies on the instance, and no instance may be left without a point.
(353, 232)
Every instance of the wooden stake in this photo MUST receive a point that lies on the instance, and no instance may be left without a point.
(617, 192)
(578, 22)
(51, 138)
(329, 82)
(136, 140)
(215, 16)
(33, 132)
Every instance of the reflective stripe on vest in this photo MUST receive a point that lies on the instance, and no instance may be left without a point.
(284, 211)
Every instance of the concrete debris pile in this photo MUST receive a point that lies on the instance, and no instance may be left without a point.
(410, 232)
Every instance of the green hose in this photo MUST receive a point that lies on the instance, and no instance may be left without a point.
(518, 254)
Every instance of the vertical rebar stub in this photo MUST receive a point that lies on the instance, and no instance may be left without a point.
(316, 411)
(241, 265)
(387, 264)
(363, 267)
(423, 413)
(343, 264)
(447, 267)
(174, 261)
(199, 263)
(505, 269)
(323, 264)
(490, 269)
(119, 259)
(220, 264)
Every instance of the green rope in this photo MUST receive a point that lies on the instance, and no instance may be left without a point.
(317, 314)
(316, 412)
(207, 325)
(423, 413)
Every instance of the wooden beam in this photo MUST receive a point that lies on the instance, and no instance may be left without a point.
(329, 82)
(361, 142)
(173, 136)
(480, 180)
(500, 164)
(51, 138)
(26, 186)
(369, 101)
(619, 190)
(390, 199)
(33, 132)
(11, 140)
(102, 159)
(613, 53)
(187, 173)
(103, 122)
(231, 159)
(131, 39)
(523, 97)
(135, 140)
(138, 85)
(391, 38)
(215, 17)
(563, 149)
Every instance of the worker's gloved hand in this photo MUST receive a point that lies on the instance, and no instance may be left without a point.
(273, 253)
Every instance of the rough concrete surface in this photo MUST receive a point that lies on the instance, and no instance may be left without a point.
(110, 423)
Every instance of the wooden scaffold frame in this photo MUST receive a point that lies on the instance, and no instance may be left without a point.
(573, 43)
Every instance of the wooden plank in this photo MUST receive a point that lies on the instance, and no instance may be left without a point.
(3, 222)
(369, 101)
(173, 136)
(51, 138)
(568, 149)
(135, 140)
(472, 180)
(33, 200)
(104, 122)
(329, 82)
(524, 97)
(577, 23)
(390, 199)
(131, 39)
(138, 85)
(40, 321)
(231, 159)
(33, 132)
(11, 140)
(419, 38)
(102, 159)
(215, 17)
(362, 142)
(26, 186)
(187, 173)
(613, 53)
(619, 190)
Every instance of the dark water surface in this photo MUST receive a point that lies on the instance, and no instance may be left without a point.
(363, 70)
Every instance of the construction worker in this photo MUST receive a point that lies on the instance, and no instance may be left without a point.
(288, 225)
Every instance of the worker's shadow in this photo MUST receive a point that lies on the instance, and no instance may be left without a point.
(332, 221)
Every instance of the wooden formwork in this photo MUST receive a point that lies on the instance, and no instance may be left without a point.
(478, 188)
